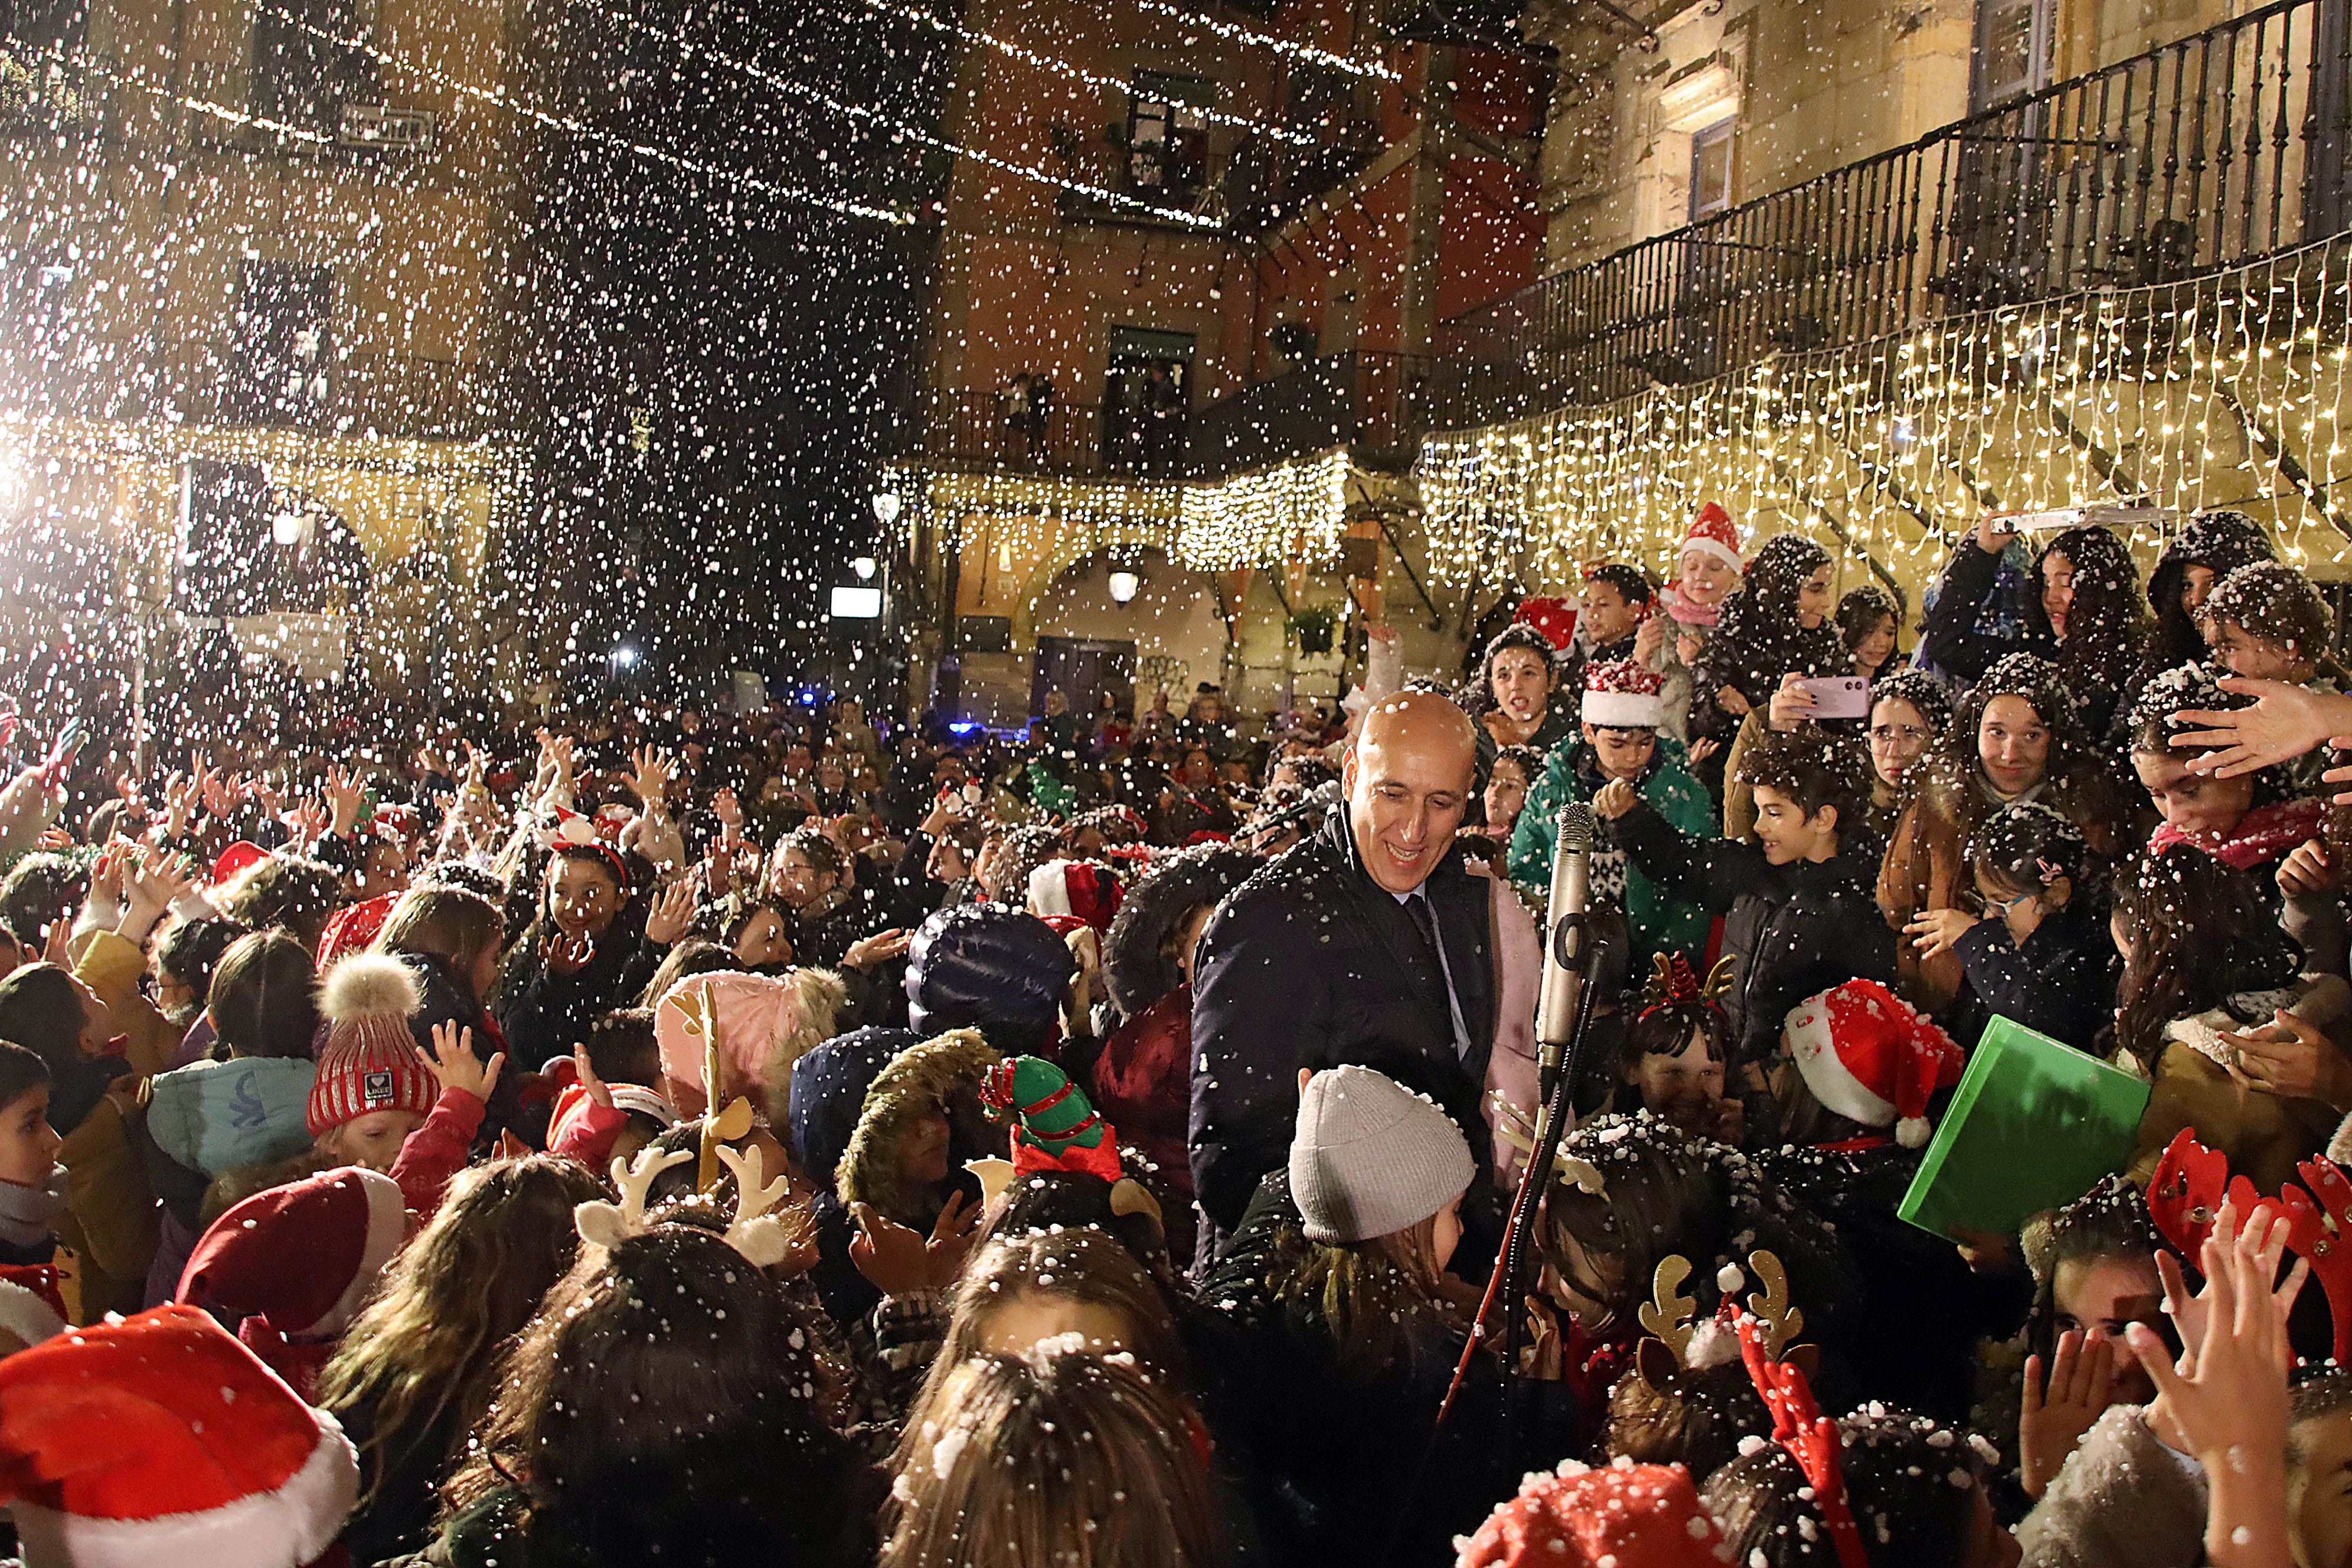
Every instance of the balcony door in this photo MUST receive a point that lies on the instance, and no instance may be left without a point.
(1999, 231)
(1145, 394)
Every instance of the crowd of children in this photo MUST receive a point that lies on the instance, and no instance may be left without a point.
(777, 1137)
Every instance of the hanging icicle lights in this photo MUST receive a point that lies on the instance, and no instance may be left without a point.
(1968, 415)
(1293, 512)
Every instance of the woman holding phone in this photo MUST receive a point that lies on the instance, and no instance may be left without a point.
(2077, 605)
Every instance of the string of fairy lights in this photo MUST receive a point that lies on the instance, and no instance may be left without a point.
(1234, 33)
(688, 49)
(2121, 395)
(1073, 71)
(797, 195)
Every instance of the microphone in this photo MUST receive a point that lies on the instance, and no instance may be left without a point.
(1322, 797)
(1567, 945)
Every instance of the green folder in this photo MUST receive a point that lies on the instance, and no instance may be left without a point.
(2032, 1125)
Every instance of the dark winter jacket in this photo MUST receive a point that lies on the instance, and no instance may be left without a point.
(1332, 1450)
(1966, 632)
(1795, 930)
(829, 1087)
(1758, 636)
(544, 1014)
(2060, 983)
(1310, 963)
(400, 1483)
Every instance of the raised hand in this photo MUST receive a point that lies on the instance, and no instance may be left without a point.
(879, 948)
(568, 954)
(2286, 722)
(452, 1060)
(346, 798)
(897, 1260)
(2056, 1414)
(650, 768)
(672, 911)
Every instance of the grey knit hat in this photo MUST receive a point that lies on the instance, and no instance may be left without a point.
(1370, 1157)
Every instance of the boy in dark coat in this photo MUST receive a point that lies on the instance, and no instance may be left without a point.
(1800, 913)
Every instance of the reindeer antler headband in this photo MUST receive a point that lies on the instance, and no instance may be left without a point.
(756, 1232)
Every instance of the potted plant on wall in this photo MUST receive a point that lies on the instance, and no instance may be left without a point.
(1315, 628)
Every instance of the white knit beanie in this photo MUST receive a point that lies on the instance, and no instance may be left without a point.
(1371, 1157)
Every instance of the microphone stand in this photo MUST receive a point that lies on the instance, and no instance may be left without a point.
(1503, 1288)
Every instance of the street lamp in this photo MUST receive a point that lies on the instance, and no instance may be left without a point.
(863, 567)
(624, 656)
(885, 507)
(1125, 585)
(285, 528)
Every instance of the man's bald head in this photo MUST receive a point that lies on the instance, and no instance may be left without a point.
(1409, 778)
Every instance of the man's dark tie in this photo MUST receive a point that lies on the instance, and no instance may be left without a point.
(1425, 918)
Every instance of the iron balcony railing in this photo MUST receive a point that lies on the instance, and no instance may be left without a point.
(978, 427)
(1374, 404)
(2208, 153)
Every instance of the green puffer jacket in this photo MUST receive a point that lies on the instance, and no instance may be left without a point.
(1655, 922)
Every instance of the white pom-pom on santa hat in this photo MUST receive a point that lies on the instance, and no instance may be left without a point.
(1621, 694)
(1873, 1058)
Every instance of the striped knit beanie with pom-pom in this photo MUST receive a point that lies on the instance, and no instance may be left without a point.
(367, 1058)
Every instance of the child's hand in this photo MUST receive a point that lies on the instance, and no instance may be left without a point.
(672, 911)
(2225, 1402)
(1731, 701)
(1701, 750)
(1649, 640)
(2306, 871)
(568, 954)
(729, 810)
(2291, 1058)
(598, 1091)
(1791, 705)
(346, 798)
(1615, 799)
(452, 1060)
(2342, 775)
(1939, 930)
(2056, 1416)
(879, 948)
(897, 1260)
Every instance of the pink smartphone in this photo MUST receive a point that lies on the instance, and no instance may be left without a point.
(1838, 696)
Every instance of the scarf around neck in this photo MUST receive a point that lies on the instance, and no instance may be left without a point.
(28, 1214)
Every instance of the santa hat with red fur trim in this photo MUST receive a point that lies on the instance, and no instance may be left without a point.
(160, 1439)
(1713, 533)
(1873, 1058)
(1621, 694)
(1623, 1515)
(302, 1258)
(1085, 889)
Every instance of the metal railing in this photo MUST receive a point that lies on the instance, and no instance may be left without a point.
(977, 427)
(1371, 403)
(2211, 150)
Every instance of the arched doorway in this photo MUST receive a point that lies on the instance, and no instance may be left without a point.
(1167, 634)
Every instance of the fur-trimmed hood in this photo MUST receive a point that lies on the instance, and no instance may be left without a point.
(1134, 966)
(939, 1072)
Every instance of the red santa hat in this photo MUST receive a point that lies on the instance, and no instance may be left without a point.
(1556, 618)
(1085, 889)
(351, 929)
(235, 859)
(1621, 694)
(1712, 531)
(1873, 1058)
(301, 1257)
(160, 1439)
(32, 1301)
(1623, 1515)
(368, 1060)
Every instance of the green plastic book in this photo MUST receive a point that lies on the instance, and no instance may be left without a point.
(2032, 1125)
